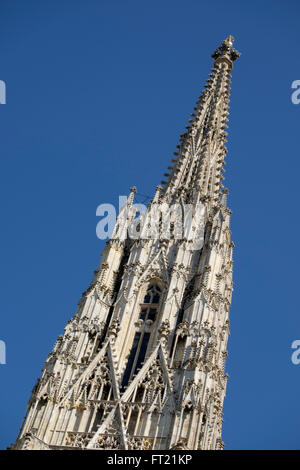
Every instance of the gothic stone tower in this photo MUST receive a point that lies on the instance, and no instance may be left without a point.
(141, 364)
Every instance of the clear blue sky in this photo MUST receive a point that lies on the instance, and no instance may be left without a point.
(98, 92)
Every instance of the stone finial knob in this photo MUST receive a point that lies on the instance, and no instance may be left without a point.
(225, 52)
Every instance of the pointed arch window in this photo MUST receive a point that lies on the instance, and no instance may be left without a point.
(151, 302)
(148, 314)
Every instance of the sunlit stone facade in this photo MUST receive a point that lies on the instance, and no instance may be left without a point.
(141, 364)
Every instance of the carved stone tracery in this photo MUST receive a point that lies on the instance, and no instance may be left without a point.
(175, 348)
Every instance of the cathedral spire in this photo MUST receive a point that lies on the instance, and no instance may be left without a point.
(201, 152)
(141, 365)
(226, 52)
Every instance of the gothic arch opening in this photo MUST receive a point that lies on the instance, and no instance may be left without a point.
(148, 314)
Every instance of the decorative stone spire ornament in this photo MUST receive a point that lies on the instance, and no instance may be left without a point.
(226, 52)
(141, 364)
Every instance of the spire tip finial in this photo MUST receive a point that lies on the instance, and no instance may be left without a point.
(226, 52)
(229, 40)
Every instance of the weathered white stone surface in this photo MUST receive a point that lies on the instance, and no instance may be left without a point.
(175, 400)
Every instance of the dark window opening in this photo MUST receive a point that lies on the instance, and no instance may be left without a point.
(152, 314)
(142, 352)
(143, 313)
(131, 360)
(138, 351)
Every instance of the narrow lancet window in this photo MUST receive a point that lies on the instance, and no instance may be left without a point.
(148, 315)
